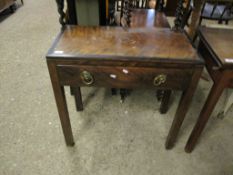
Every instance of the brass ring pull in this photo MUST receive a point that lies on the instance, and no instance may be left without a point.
(160, 79)
(87, 78)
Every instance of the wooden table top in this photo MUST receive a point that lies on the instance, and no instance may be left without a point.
(148, 18)
(115, 43)
(220, 42)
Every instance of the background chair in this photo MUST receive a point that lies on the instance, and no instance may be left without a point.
(218, 10)
(118, 5)
(140, 4)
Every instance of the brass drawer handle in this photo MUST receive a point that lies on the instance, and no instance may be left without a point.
(160, 79)
(87, 78)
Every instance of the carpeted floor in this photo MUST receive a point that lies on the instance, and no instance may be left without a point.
(111, 138)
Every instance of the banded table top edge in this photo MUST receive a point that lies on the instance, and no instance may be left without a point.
(151, 44)
(219, 42)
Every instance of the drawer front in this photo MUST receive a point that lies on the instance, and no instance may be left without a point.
(123, 77)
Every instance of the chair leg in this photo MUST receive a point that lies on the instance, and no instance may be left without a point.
(13, 8)
(124, 93)
(165, 101)
(159, 94)
(22, 2)
(220, 21)
(114, 91)
(78, 98)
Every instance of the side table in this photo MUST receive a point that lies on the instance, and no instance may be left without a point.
(216, 47)
(114, 57)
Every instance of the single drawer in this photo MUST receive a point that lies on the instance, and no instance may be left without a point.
(123, 77)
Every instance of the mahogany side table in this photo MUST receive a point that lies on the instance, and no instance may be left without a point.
(216, 47)
(114, 57)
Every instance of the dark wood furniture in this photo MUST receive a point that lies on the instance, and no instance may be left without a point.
(176, 7)
(140, 18)
(135, 17)
(170, 8)
(215, 46)
(220, 10)
(129, 13)
(144, 4)
(195, 17)
(148, 18)
(4, 4)
(81, 56)
(132, 16)
(69, 16)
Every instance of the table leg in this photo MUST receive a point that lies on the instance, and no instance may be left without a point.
(165, 101)
(182, 109)
(228, 104)
(206, 111)
(78, 98)
(61, 104)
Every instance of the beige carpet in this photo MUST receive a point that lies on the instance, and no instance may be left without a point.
(111, 138)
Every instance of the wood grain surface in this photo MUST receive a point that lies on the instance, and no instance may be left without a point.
(148, 18)
(220, 42)
(114, 42)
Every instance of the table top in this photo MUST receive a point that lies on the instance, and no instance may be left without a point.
(116, 43)
(220, 43)
(148, 18)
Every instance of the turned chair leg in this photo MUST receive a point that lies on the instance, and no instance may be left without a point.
(165, 101)
(114, 91)
(159, 95)
(124, 93)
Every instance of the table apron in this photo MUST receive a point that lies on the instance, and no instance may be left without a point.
(125, 77)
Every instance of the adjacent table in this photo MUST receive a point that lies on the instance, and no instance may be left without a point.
(117, 58)
(216, 47)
